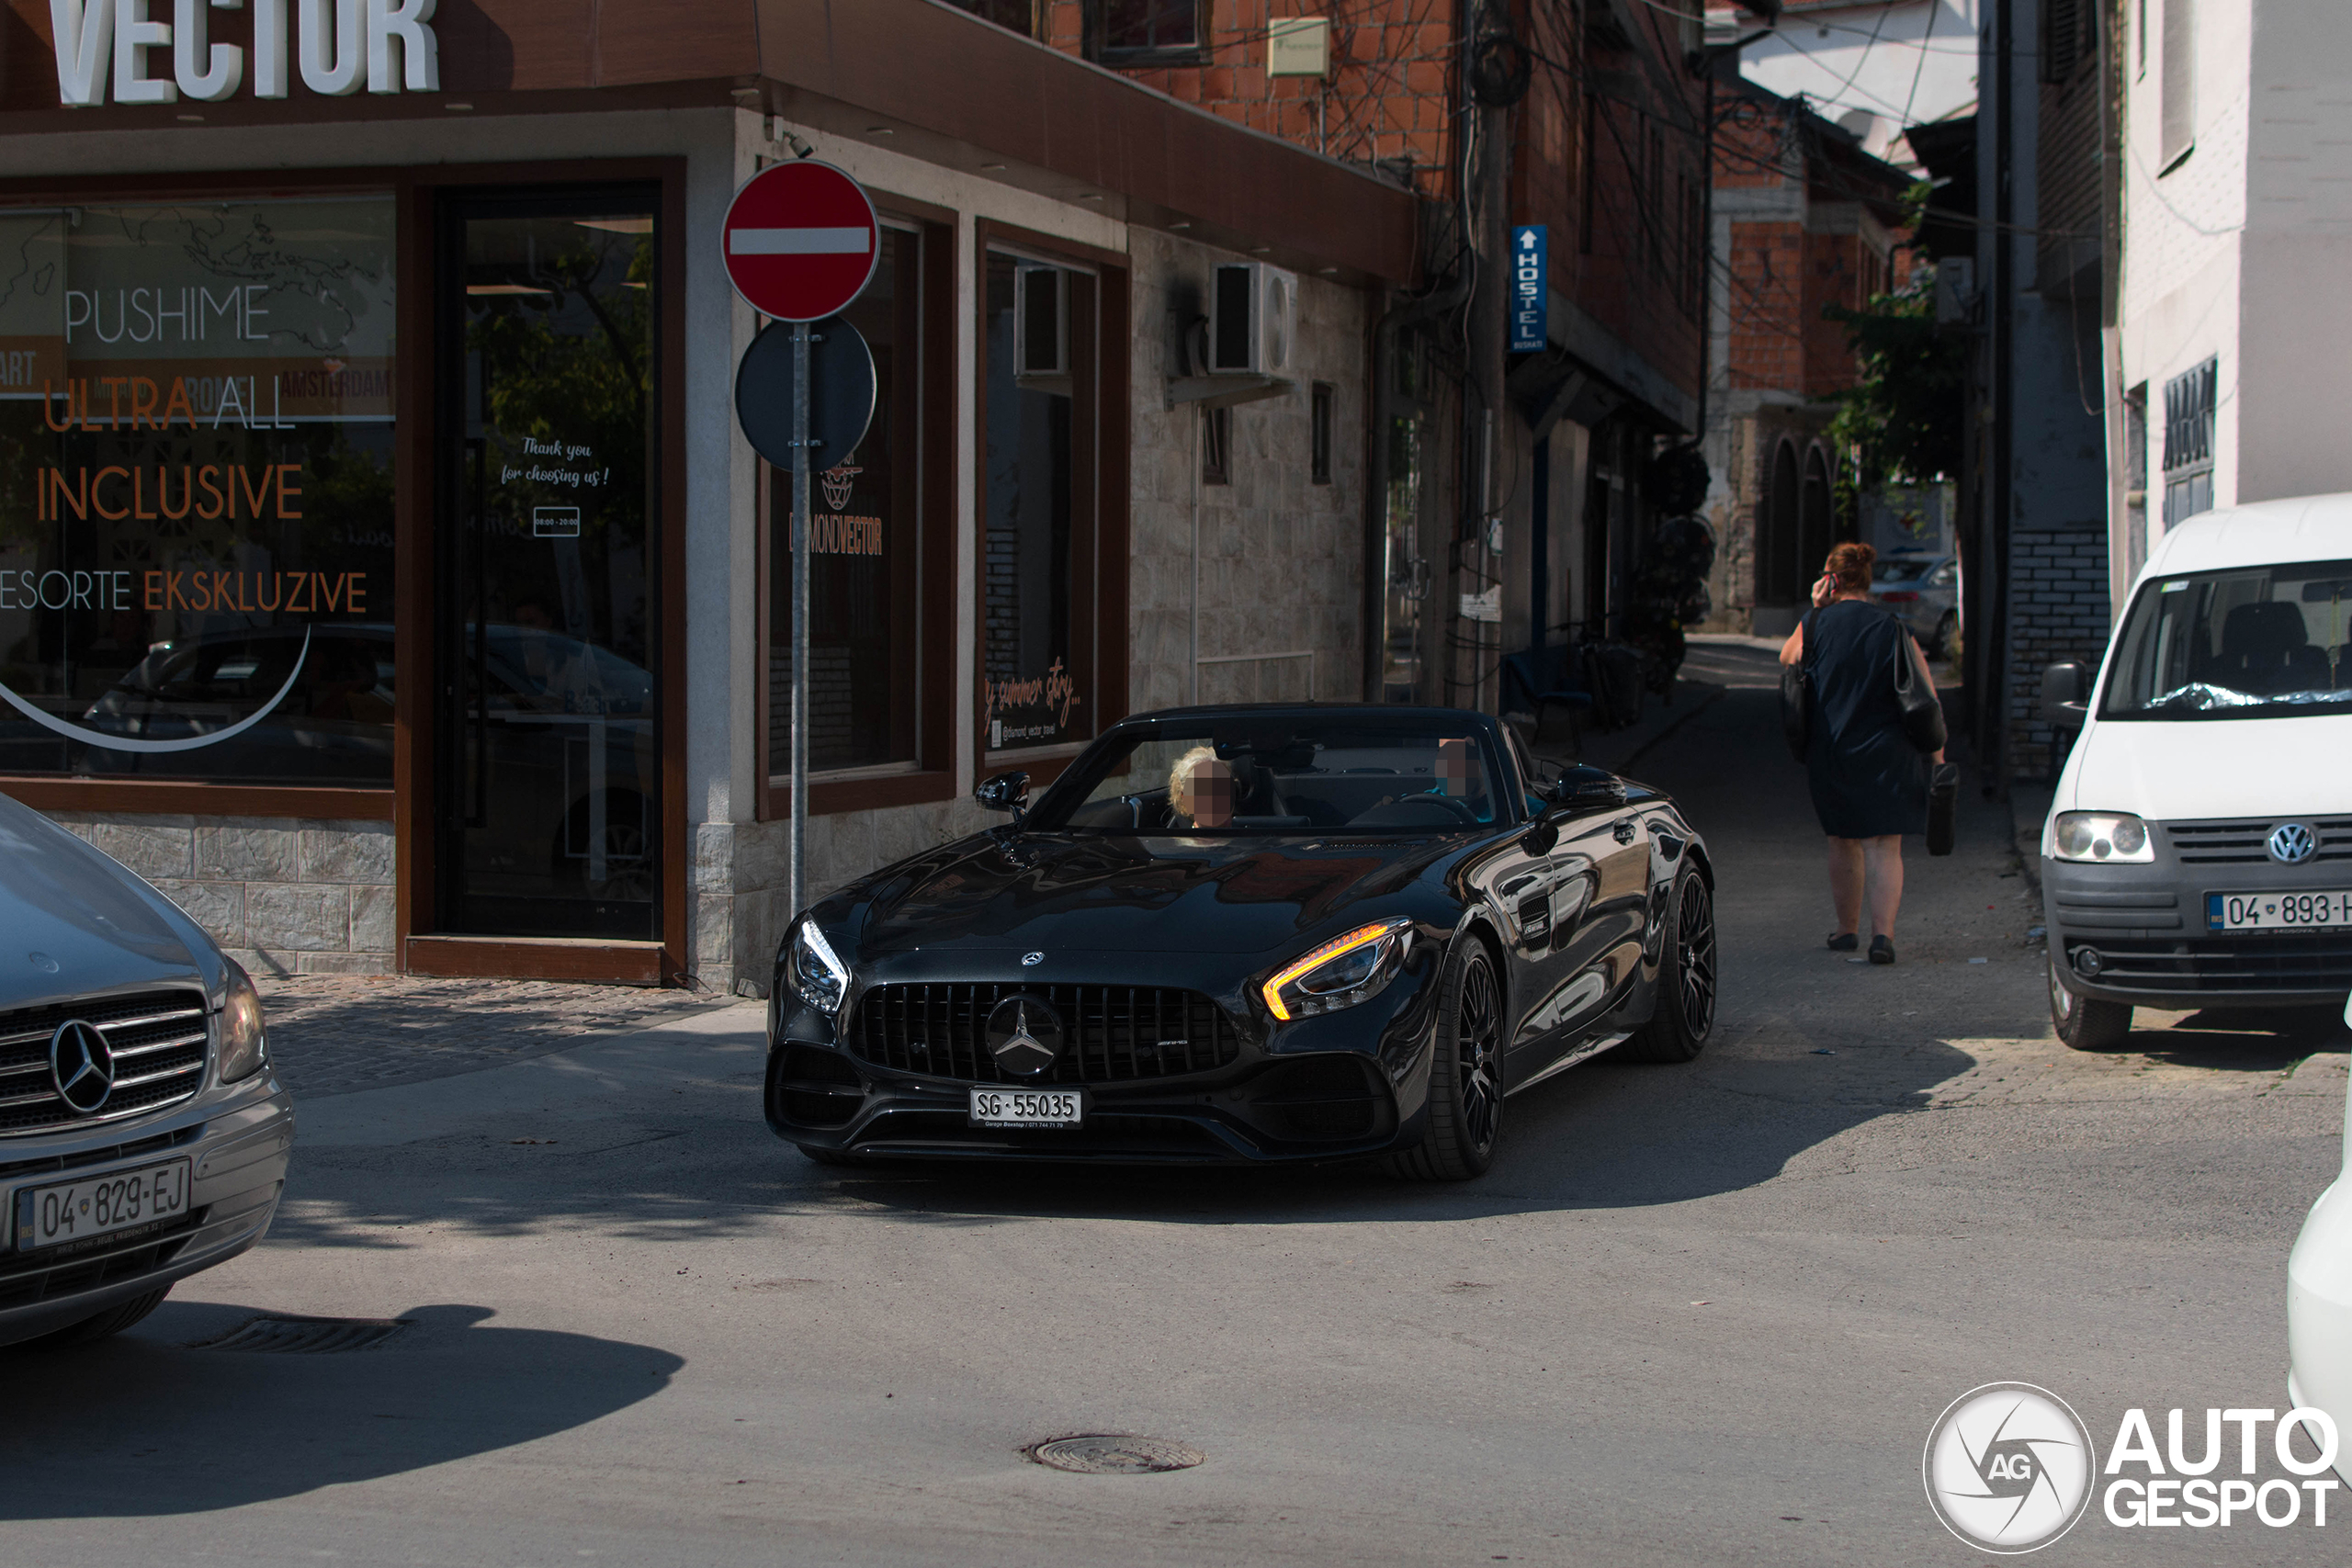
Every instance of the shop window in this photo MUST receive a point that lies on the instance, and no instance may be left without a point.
(1318, 434)
(1038, 503)
(866, 642)
(1217, 447)
(1146, 32)
(2188, 442)
(196, 450)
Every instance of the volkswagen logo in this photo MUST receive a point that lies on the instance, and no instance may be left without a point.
(1024, 1034)
(2291, 843)
(82, 1066)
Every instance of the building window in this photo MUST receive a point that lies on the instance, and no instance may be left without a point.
(1217, 447)
(2178, 107)
(1318, 434)
(865, 628)
(1147, 32)
(1038, 502)
(196, 437)
(1020, 16)
(2188, 442)
(2069, 38)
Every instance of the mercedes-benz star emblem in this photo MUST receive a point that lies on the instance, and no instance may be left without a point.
(1024, 1034)
(2291, 843)
(1031, 960)
(82, 1066)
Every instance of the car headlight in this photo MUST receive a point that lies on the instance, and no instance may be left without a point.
(815, 970)
(244, 1043)
(2100, 836)
(1340, 974)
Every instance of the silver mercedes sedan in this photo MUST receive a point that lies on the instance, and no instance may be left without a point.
(142, 1134)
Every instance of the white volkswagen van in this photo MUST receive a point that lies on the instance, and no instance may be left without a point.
(2198, 852)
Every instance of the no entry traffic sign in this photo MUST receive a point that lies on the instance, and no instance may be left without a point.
(801, 240)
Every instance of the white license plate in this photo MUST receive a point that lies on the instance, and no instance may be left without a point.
(2279, 911)
(151, 1197)
(1027, 1107)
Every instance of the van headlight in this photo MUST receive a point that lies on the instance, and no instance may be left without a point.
(815, 970)
(244, 1043)
(1342, 972)
(2101, 836)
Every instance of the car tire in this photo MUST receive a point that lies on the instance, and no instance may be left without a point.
(1685, 1014)
(1466, 1100)
(100, 1326)
(2082, 1022)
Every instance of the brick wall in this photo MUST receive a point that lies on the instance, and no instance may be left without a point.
(2058, 609)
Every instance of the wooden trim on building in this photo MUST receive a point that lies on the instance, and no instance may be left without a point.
(163, 797)
(538, 958)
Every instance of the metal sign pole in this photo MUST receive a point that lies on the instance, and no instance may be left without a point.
(800, 466)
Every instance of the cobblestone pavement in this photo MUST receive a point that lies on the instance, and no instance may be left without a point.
(332, 1034)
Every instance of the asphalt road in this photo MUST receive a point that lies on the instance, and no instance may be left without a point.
(1695, 1315)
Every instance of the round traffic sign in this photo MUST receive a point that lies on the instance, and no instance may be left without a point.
(841, 394)
(801, 240)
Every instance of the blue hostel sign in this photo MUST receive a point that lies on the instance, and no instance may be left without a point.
(1531, 252)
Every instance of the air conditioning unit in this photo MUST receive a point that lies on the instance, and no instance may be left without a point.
(1254, 319)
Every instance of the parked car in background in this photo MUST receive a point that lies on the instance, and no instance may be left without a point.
(142, 1134)
(1923, 590)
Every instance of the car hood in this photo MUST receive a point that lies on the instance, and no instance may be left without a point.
(1066, 893)
(2189, 770)
(76, 923)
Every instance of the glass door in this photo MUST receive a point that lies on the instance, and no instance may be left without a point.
(546, 759)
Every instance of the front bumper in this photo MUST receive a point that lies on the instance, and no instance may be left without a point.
(2319, 1314)
(1340, 1085)
(2147, 925)
(240, 1140)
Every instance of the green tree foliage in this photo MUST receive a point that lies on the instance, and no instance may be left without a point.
(1904, 417)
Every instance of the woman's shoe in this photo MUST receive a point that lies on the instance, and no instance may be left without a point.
(1842, 941)
(1881, 950)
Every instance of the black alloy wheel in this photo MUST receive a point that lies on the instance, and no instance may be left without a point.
(1465, 1103)
(2081, 1023)
(1685, 1014)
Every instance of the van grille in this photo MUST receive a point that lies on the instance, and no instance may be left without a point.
(158, 1038)
(2245, 842)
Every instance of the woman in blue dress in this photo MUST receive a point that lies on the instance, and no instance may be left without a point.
(1869, 785)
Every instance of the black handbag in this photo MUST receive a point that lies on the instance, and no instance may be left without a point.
(1944, 804)
(1923, 711)
(1796, 698)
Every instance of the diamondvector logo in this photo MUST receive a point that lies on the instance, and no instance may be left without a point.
(2009, 1468)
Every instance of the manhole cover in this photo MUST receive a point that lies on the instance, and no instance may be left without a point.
(1102, 1454)
(307, 1335)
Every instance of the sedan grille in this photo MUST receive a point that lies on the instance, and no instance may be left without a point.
(158, 1040)
(2245, 842)
(1111, 1034)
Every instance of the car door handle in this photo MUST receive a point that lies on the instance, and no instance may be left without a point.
(1624, 831)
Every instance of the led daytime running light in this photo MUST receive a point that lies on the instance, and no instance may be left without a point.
(1362, 936)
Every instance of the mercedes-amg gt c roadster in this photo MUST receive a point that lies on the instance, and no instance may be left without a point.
(1251, 933)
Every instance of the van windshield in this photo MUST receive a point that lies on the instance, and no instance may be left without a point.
(2256, 642)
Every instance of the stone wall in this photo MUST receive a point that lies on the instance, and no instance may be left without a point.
(2058, 609)
(284, 896)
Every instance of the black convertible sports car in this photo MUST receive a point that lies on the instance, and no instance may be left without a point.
(1248, 933)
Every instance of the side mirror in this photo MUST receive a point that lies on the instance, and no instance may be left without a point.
(1585, 788)
(2065, 690)
(1005, 791)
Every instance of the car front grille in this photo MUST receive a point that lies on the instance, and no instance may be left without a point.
(2252, 964)
(2245, 842)
(1111, 1034)
(158, 1038)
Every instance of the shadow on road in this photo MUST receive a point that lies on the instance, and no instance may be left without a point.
(2243, 1040)
(143, 1424)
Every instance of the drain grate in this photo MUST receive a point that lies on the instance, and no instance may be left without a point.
(1098, 1453)
(308, 1336)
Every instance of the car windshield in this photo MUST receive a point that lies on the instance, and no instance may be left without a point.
(1221, 776)
(1903, 569)
(2258, 642)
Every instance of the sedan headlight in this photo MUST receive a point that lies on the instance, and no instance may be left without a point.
(244, 1044)
(815, 970)
(2101, 836)
(1340, 974)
